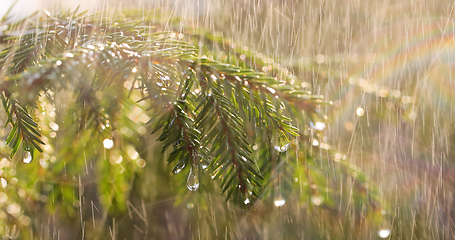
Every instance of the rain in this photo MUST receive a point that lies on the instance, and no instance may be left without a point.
(310, 119)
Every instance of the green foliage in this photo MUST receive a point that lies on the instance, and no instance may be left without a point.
(253, 130)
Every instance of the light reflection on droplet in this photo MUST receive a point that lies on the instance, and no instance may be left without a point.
(53, 134)
(140, 163)
(246, 201)
(4, 182)
(13, 209)
(315, 142)
(27, 157)
(279, 202)
(54, 126)
(412, 115)
(349, 126)
(337, 157)
(317, 200)
(108, 143)
(25, 220)
(3, 197)
(384, 233)
(68, 55)
(317, 126)
(360, 111)
(134, 70)
(320, 58)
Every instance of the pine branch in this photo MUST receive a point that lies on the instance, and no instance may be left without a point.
(203, 107)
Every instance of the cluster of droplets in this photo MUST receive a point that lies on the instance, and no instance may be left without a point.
(283, 148)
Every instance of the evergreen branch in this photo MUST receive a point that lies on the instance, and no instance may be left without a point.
(24, 128)
(154, 63)
(229, 144)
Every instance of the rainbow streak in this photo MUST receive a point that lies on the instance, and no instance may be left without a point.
(419, 62)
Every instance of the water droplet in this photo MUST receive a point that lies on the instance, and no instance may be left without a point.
(4, 182)
(320, 58)
(13, 209)
(54, 126)
(317, 200)
(271, 90)
(190, 205)
(283, 148)
(108, 143)
(193, 181)
(317, 126)
(68, 55)
(3, 197)
(384, 233)
(140, 163)
(412, 115)
(27, 157)
(360, 111)
(134, 70)
(279, 202)
(179, 167)
(247, 201)
(25, 220)
(383, 212)
(315, 142)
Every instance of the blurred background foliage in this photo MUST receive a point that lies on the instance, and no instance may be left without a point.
(380, 166)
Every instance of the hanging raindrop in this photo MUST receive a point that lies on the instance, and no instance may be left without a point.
(27, 158)
(193, 181)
